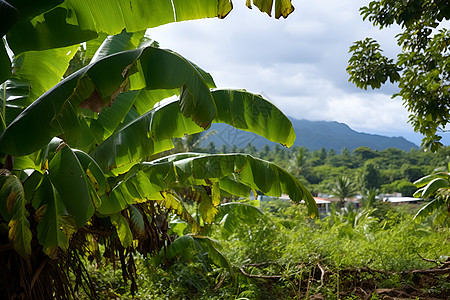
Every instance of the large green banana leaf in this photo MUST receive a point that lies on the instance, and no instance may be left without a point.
(231, 215)
(189, 245)
(35, 72)
(55, 226)
(145, 181)
(240, 109)
(54, 24)
(97, 85)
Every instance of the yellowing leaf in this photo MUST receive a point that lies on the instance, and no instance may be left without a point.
(10, 201)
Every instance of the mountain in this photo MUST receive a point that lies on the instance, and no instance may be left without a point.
(312, 135)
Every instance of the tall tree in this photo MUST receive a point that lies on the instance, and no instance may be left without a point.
(421, 69)
(370, 177)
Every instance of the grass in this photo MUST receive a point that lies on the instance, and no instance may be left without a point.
(332, 257)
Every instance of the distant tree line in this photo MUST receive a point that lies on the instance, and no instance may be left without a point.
(387, 171)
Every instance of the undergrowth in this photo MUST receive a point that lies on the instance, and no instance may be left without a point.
(285, 255)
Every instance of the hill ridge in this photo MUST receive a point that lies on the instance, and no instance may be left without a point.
(312, 135)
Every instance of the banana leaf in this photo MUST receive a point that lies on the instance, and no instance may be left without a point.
(145, 181)
(12, 209)
(431, 187)
(238, 108)
(97, 85)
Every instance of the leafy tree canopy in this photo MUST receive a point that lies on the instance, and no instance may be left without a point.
(421, 69)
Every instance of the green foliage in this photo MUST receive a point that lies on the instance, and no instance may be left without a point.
(343, 188)
(370, 177)
(423, 61)
(345, 240)
(85, 137)
(368, 67)
(436, 188)
(15, 214)
(390, 170)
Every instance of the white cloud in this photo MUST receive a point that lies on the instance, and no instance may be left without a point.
(298, 62)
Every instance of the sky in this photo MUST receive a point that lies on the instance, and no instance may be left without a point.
(297, 63)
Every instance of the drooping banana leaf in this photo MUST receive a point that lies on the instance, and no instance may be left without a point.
(427, 209)
(189, 245)
(75, 21)
(74, 189)
(55, 226)
(137, 224)
(431, 187)
(58, 24)
(145, 181)
(35, 72)
(97, 85)
(282, 7)
(232, 215)
(250, 112)
(12, 209)
(238, 108)
(123, 229)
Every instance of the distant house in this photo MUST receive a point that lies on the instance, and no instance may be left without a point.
(402, 200)
(323, 205)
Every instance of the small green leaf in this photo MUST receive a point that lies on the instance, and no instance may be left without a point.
(123, 229)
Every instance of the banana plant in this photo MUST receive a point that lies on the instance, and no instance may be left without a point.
(84, 153)
(436, 188)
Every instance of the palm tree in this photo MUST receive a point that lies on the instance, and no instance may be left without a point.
(343, 189)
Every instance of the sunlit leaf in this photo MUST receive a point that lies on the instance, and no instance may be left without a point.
(241, 109)
(70, 182)
(123, 229)
(433, 186)
(97, 85)
(253, 172)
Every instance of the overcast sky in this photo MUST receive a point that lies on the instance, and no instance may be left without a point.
(298, 63)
